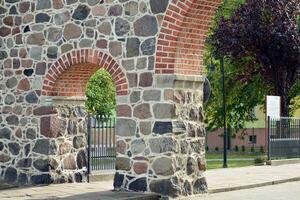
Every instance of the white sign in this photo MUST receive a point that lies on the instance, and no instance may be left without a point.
(273, 106)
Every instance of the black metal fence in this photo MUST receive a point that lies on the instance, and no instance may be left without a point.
(284, 138)
(101, 143)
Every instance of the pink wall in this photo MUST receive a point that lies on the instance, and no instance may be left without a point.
(215, 138)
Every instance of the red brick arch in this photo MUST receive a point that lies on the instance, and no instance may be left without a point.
(183, 32)
(69, 74)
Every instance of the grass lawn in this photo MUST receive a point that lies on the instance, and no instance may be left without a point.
(214, 164)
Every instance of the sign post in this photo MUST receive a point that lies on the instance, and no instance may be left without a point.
(272, 112)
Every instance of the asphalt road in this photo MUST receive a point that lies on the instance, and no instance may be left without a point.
(284, 191)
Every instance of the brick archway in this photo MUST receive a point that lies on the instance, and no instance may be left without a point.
(69, 74)
(183, 32)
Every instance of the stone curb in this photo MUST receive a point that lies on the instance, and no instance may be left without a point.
(211, 191)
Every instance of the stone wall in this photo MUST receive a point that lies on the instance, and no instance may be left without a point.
(160, 139)
(53, 152)
(140, 43)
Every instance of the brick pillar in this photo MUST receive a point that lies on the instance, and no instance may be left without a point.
(164, 153)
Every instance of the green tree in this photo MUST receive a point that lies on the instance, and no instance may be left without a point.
(267, 32)
(100, 94)
(243, 90)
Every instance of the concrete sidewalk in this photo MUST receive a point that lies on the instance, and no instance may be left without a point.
(219, 180)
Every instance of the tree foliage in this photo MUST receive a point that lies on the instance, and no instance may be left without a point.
(264, 36)
(100, 94)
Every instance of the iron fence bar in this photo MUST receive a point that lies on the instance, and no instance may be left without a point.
(106, 139)
(269, 139)
(89, 149)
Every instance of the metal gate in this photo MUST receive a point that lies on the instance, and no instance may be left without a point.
(101, 143)
(284, 138)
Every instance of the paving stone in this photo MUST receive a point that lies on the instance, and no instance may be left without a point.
(78, 142)
(140, 167)
(54, 34)
(164, 187)
(62, 18)
(131, 8)
(142, 111)
(125, 127)
(162, 127)
(41, 146)
(152, 95)
(145, 127)
(132, 47)
(105, 28)
(138, 146)
(163, 166)
(5, 133)
(148, 46)
(145, 26)
(139, 184)
(102, 44)
(57, 4)
(22, 179)
(98, 10)
(115, 48)
(164, 110)
(121, 147)
(132, 81)
(24, 163)
(128, 64)
(163, 144)
(36, 53)
(81, 12)
(118, 180)
(81, 159)
(200, 186)
(12, 120)
(9, 99)
(52, 52)
(122, 163)
(31, 133)
(146, 79)
(64, 148)
(158, 6)
(4, 157)
(4, 31)
(31, 97)
(11, 82)
(42, 17)
(122, 27)
(123, 111)
(141, 63)
(69, 162)
(10, 175)
(24, 85)
(71, 31)
(41, 179)
(115, 10)
(36, 39)
(14, 148)
(43, 4)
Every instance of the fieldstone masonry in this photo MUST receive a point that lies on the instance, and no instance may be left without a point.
(153, 50)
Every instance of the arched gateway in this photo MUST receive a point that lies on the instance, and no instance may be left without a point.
(153, 50)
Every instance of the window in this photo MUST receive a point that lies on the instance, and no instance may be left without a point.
(252, 139)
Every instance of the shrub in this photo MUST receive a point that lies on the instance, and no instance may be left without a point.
(207, 148)
(260, 160)
(243, 148)
(217, 148)
(236, 148)
(100, 94)
(262, 150)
